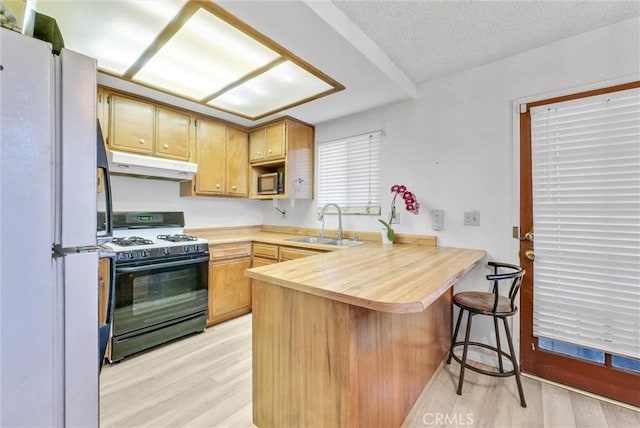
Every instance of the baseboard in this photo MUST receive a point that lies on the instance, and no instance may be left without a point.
(583, 392)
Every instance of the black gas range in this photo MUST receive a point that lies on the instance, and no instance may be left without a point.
(161, 281)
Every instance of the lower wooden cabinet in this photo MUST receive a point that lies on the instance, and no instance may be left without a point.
(229, 289)
(104, 278)
(292, 253)
(264, 254)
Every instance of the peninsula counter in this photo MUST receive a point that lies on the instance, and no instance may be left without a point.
(350, 338)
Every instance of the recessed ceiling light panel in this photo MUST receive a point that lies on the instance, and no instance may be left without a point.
(116, 33)
(284, 85)
(205, 55)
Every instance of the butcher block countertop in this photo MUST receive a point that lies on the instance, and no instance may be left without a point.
(399, 278)
(405, 277)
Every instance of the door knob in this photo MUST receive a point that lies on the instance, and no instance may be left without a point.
(530, 255)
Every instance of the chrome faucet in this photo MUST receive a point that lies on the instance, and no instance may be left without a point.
(321, 218)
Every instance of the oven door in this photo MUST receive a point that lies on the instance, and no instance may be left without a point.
(150, 295)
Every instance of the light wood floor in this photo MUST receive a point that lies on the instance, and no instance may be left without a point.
(205, 381)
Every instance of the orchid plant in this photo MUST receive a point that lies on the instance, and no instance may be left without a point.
(410, 202)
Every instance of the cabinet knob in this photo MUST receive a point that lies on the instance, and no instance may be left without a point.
(269, 150)
(166, 146)
(233, 187)
(218, 186)
(141, 141)
(259, 153)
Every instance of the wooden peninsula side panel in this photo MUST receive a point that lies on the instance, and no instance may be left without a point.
(319, 362)
(351, 338)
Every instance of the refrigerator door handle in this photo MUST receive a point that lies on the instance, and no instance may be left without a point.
(103, 164)
(58, 250)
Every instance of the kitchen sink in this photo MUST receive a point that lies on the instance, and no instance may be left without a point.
(327, 241)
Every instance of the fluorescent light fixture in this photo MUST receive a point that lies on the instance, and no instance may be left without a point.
(284, 85)
(192, 49)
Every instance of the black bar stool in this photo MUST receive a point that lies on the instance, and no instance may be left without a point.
(496, 306)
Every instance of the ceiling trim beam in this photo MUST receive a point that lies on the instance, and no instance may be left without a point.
(337, 20)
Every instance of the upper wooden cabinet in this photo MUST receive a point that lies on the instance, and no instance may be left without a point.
(268, 143)
(222, 157)
(131, 125)
(283, 146)
(140, 127)
(237, 167)
(172, 134)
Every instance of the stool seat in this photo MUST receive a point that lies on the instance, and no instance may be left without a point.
(497, 307)
(482, 302)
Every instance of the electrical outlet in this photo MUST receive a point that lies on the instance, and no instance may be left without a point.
(396, 218)
(437, 219)
(472, 218)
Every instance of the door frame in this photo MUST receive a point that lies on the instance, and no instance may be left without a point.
(597, 378)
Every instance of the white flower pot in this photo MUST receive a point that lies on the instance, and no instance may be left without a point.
(385, 239)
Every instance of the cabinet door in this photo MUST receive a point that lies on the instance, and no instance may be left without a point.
(257, 144)
(172, 134)
(275, 135)
(229, 289)
(131, 125)
(210, 155)
(103, 289)
(237, 162)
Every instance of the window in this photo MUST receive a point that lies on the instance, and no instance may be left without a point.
(586, 205)
(349, 173)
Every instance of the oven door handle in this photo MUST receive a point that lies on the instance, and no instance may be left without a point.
(135, 269)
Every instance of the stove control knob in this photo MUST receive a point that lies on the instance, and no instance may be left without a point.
(187, 248)
(131, 255)
(166, 251)
(144, 254)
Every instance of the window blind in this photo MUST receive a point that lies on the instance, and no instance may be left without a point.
(349, 173)
(586, 210)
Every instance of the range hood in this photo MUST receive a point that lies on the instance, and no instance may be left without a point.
(150, 167)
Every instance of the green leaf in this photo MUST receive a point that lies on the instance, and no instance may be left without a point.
(390, 233)
(385, 224)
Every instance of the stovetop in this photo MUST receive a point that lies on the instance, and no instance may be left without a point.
(155, 240)
(147, 244)
(142, 236)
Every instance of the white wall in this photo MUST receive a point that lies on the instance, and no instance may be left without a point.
(454, 146)
(140, 194)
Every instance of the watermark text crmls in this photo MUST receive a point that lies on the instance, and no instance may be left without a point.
(460, 419)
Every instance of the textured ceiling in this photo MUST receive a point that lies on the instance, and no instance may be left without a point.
(430, 39)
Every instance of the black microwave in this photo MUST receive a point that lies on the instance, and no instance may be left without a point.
(271, 184)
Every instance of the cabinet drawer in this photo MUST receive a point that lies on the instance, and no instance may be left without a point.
(226, 251)
(258, 261)
(268, 251)
(291, 253)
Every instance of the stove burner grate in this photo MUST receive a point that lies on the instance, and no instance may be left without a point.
(177, 238)
(132, 240)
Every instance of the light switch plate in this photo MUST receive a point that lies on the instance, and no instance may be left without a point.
(437, 219)
(472, 218)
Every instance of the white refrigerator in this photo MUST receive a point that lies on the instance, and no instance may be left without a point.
(48, 257)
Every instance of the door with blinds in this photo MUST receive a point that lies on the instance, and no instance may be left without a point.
(580, 244)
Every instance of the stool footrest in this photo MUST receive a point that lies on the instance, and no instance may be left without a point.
(480, 370)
